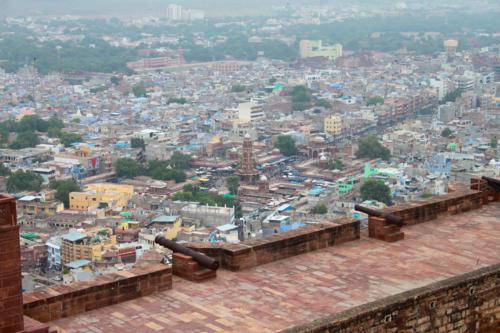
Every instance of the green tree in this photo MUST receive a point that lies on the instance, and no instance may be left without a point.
(183, 196)
(32, 123)
(374, 189)
(233, 182)
(446, 132)
(323, 103)
(127, 167)
(177, 175)
(375, 100)
(55, 122)
(452, 96)
(301, 98)
(4, 171)
(319, 209)
(54, 132)
(180, 161)
(494, 142)
(166, 170)
(68, 138)
(370, 147)
(286, 145)
(25, 140)
(139, 90)
(177, 100)
(24, 181)
(237, 88)
(115, 80)
(137, 143)
(63, 189)
(335, 164)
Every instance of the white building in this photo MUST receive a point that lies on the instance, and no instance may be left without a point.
(174, 12)
(250, 112)
(193, 14)
(209, 216)
(54, 251)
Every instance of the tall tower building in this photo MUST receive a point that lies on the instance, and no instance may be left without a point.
(247, 171)
(174, 12)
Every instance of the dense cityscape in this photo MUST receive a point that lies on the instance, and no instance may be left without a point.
(211, 131)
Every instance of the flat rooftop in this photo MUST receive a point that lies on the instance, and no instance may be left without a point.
(300, 289)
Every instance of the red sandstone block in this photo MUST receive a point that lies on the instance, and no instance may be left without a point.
(13, 302)
(18, 327)
(394, 237)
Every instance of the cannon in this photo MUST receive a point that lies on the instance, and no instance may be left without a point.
(200, 258)
(493, 183)
(391, 218)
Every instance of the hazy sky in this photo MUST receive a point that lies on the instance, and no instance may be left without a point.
(148, 7)
(120, 8)
(124, 7)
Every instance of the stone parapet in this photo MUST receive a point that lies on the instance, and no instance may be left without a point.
(251, 253)
(465, 303)
(67, 300)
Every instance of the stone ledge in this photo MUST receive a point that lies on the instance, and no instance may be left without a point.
(456, 202)
(257, 252)
(439, 303)
(67, 300)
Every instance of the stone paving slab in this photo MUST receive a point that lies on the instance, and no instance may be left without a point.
(306, 287)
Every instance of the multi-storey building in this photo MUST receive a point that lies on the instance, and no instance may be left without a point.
(90, 246)
(315, 48)
(333, 125)
(104, 195)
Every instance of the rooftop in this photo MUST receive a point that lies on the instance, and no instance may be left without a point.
(73, 236)
(303, 288)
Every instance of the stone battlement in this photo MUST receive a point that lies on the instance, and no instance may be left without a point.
(67, 300)
(251, 253)
(456, 202)
(465, 301)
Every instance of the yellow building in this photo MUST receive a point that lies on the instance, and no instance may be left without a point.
(450, 45)
(105, 195)
(36, 206)
(89, 245)
(333, 125)
(165, 225)
(315, 48)
(170, 225)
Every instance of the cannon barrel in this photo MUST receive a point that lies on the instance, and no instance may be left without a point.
(200, 258)
(492, 182)
(391, 218)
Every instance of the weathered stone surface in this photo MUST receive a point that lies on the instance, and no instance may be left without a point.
(236, 257)
(63, 301)
(11, 315)
(327, 282)
(187, 268)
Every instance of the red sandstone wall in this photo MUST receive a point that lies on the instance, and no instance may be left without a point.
(11, 316)
(63, 301)
(452, 203)
(467, 303)
(257, 252)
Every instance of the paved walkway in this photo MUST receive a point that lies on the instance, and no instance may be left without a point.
(309, 286)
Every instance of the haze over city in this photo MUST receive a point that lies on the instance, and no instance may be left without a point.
(136, 8)
(283, 166)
